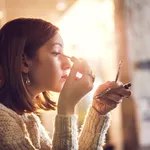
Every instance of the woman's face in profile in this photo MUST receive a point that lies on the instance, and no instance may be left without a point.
(49, 69)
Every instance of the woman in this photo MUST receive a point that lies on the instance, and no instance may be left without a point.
(31, 65)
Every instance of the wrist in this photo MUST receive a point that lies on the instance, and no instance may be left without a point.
(99, 111)
(96, 109)
(65, 110)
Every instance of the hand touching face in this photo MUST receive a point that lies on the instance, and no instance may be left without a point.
(75, 88)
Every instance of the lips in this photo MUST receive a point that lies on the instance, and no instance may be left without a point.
(64, 77)
(65, 74)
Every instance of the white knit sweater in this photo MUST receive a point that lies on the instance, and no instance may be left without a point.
(25, 132)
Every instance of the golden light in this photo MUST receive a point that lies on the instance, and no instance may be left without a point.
(87, 28)
(1, 14)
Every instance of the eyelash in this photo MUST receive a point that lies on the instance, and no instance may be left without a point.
(55, 53)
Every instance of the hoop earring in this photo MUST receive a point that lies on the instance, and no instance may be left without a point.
(28, 82)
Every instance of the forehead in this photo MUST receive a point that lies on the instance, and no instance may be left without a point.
(55, 39)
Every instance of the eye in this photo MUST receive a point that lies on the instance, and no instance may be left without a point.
(55, 53)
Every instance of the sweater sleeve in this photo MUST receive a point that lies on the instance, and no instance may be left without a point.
(12, 134)
(92, 135)
(65, 135)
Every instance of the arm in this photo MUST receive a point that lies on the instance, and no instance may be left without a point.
(66, 134)
(98, 119)
(95, 126)
(96, 122)
(91, 137)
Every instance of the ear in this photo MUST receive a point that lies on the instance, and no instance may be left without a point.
(26, 64)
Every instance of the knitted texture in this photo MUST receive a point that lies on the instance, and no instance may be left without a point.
(92, 136)
(67, 132)
(22, 132)
(25, 132)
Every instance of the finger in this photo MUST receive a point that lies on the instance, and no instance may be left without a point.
(117, 85)
(81, 66)
(86, 71)
(88, 83)
(78, 64)
(115, 97)
(106, 108)
(84, 66)
(123, 92)
(104, 87)
(107, 101)
(89, 76)
(73, 70)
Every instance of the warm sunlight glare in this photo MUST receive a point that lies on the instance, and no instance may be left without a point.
(87, 28)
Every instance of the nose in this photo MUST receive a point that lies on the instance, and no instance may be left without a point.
(66, 64)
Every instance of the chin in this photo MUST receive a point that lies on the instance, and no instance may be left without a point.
(57, 89)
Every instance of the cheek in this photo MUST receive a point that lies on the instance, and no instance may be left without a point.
(46, 74)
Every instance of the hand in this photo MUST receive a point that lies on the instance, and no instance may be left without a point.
(75, 88)
(111, 99)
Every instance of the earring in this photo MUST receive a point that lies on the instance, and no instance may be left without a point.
(28, 82)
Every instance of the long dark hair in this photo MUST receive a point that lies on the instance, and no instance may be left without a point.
(17, 37)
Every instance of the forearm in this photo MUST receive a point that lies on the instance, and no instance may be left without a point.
(94, 129)
(92, 135)
(65, 134)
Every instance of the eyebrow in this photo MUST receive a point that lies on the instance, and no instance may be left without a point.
(61, 45)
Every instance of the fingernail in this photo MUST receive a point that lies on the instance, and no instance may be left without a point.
(108, 82)
(120, 83)
(73, 59)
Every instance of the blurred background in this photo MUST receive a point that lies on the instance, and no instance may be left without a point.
(103, 32)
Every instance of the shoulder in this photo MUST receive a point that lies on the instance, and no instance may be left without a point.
(8, 118)
(11, 127)
(6, 113)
